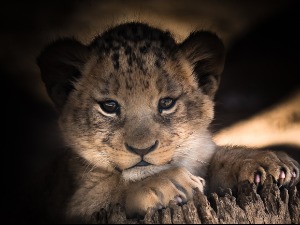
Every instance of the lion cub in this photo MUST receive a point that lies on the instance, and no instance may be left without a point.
(134, 110)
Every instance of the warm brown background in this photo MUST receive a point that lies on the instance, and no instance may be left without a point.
(260, 85)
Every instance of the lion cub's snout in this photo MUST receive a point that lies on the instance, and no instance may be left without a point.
(143, 151)
(140, 138)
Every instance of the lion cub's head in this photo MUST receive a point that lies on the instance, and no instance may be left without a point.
(134, 100)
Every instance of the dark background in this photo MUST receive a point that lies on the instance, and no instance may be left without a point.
(262, 69)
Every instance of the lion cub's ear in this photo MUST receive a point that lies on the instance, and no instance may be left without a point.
(61, 64)
(205, 51)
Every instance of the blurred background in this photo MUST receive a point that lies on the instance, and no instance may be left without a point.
(257, 105)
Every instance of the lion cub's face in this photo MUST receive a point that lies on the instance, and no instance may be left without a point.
(139, 101)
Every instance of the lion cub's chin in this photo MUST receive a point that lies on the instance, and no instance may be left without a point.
(140, 172)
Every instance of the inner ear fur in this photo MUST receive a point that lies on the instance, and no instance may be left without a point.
(61, 64)
(206, 53)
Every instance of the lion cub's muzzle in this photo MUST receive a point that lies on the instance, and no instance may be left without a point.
(142, 153)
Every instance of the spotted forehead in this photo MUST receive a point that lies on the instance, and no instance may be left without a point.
(134, 45)
(133, 57)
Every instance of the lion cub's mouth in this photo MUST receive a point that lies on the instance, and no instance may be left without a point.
(140, 164)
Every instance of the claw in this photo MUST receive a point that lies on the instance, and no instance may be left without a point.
(178, 199)
(282, 174)
(294, 175)
(281, 178)
(257, 179)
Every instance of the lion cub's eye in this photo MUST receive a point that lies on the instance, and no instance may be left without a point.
(166, 104)
(110, 106)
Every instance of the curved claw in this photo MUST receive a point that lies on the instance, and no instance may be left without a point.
(294, 175)
(179, 200)
(257, 179)
(281, 178)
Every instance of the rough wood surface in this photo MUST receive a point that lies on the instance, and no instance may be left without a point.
(269, 204)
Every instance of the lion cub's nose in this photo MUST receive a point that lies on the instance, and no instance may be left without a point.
(143, 151)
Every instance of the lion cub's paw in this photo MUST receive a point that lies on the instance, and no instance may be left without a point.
(157, 191)
(282, 167)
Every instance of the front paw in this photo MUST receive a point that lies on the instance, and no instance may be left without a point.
(261, 163)
(230, 166)
(157, 191)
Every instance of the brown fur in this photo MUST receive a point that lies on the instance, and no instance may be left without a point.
(136, 66)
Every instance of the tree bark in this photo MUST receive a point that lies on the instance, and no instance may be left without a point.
(268, 204)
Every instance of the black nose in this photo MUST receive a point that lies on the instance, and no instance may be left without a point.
(142, 152)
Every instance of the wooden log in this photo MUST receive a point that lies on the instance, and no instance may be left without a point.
(268, 204)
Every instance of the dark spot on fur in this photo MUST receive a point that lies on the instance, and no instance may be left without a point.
(157, 64)
(143, 49)
(128, 50)
(115, 59)
(129, 61)
(128, 84)
(141, 65)
(146, 84)
(159, 55)
(133, 55)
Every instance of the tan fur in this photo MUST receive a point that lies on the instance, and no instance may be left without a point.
(136, 66)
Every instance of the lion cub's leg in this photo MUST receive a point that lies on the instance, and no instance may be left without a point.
(158, 190)
(230, 166)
